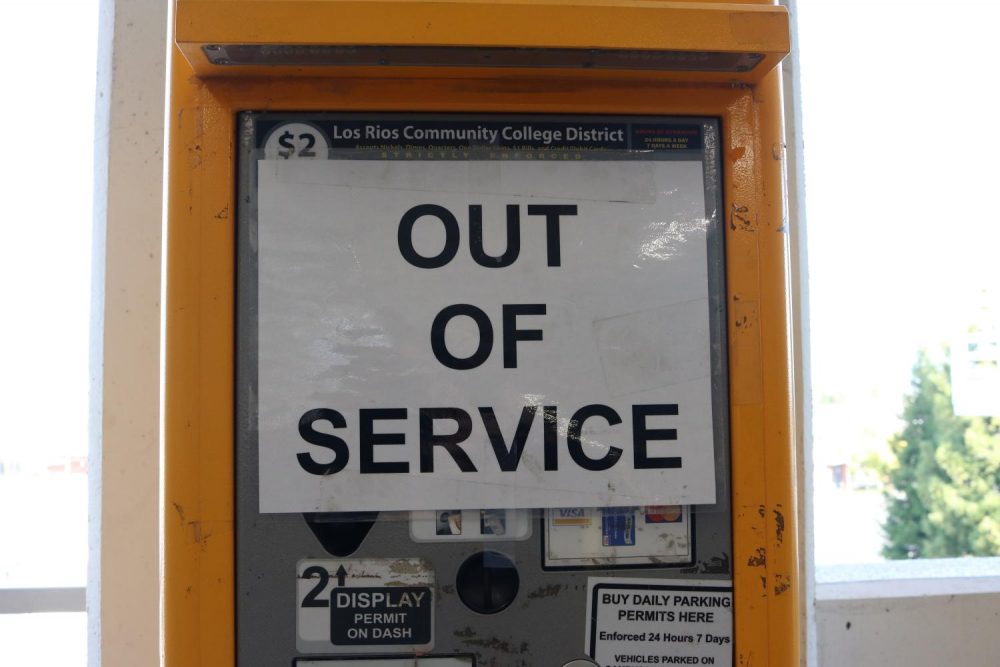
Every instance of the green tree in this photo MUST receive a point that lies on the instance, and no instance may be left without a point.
(943, 481)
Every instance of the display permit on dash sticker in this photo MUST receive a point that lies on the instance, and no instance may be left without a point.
(571, 516)
(618, 526)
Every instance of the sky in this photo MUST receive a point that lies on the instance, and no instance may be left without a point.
(46, 211)
(901, 134)
(899, 124)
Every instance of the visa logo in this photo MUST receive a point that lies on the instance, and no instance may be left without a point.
(570, 516)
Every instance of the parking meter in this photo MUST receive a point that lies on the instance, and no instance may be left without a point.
(476, 336)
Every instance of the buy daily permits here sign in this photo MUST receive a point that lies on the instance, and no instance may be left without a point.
(641, 622)
(483, 333)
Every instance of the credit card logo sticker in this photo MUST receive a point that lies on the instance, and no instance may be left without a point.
(571, 516)
(618, 527)
(664, 514)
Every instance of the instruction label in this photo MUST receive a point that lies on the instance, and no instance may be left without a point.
(381, 616)
(365, 605)
(486, 525)
(641, 622)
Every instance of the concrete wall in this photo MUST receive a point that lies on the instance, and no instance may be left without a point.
(123, 583)
(959, 630)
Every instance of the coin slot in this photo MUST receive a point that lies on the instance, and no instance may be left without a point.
(487, 582)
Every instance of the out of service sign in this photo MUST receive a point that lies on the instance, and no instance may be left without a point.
(642, 622)
(517, 314)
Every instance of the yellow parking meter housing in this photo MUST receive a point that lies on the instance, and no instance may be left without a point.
(600, 58)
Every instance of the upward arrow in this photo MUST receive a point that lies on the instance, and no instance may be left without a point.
(341, 575)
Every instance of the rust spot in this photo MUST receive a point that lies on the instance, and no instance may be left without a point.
(199, 534)
(493, 644)
(779, 526)
(739, 217)
(781, 584)
(732, 215)
(714, 565)
(737, 153)
(223, 214)
(759, 559)
(407, 567)
(761, 511)
(464, 633)
(549, 591)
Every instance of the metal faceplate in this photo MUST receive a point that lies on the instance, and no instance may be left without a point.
(418, 481)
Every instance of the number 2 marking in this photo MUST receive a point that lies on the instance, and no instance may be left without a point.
(309, 152)
(312, 597)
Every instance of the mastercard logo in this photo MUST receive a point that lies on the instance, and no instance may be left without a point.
(664, 514)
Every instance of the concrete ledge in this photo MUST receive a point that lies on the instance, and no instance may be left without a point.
(908, 579)
(31, 600)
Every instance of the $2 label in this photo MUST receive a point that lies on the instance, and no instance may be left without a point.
(294, 141)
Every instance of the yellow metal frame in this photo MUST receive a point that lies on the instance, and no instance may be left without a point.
(587, 24)
(198, 558)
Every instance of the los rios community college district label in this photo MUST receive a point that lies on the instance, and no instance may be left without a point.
(484, 333)
(365, 605)
(641, 622)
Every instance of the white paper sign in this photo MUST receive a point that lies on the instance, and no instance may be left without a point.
(483, 334)
(640, 622)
